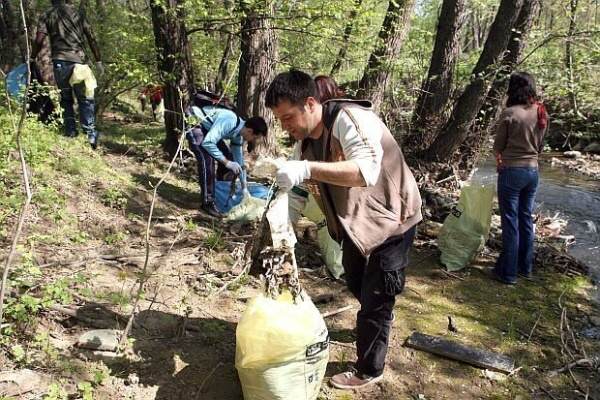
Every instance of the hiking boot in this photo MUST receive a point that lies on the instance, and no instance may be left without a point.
(352, 380)
(212, 210)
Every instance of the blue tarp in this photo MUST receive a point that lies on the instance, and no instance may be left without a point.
(222, 194)
(16, 80)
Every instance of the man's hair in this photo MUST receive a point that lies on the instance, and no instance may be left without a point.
(294, 86)
(258, 126)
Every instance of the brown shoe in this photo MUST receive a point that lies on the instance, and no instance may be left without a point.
(351, 380)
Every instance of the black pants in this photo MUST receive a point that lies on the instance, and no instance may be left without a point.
(375, 282)
(207, 175)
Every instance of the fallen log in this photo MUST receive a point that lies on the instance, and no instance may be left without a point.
(460, 352)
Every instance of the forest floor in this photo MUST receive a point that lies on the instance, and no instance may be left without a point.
(83, 250)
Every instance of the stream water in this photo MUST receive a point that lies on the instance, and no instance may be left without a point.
(575, 198)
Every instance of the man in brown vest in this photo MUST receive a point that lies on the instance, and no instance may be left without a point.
(349, 160)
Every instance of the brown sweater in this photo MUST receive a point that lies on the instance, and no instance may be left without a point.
(519, 140)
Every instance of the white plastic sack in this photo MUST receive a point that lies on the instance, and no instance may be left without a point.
(282, 232)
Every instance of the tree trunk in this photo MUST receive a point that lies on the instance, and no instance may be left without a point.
(174, 65)
(221, 77)
(470, 149)
(509, 61)
(435, 90)
(10, 54)
(376, 77)
(569, 56)
(469, 103)
(257, 68)
(345, 41)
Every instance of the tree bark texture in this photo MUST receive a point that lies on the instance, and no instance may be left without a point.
(469, 150)
(221, 77)
(257, 68)
(376, 76)
(470, 101)
(510, 60)
(174, 64)
(569, 55)
(346, 38)
(435, 90)
(10, 55)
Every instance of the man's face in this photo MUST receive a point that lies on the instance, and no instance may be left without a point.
(296, 120)
(248, 134)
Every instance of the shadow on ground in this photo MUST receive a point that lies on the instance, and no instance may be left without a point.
(189, 358)
(170, 193)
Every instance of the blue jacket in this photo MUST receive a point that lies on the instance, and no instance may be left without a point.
(225, 126)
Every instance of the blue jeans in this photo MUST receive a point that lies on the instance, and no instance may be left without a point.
(87, 118)
(516, 195)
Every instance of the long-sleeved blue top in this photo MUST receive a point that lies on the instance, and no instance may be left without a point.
(223, 126)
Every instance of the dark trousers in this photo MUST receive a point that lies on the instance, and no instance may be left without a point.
(375, 282)
(207, 173)
(87, 116)
(516, 196)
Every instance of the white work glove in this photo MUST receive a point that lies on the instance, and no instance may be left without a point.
(292, 173)
(233, 167)
(100, 68)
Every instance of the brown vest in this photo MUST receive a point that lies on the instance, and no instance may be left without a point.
(367, 215)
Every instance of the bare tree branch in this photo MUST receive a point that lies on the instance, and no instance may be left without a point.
(143, 278)
(25, 207)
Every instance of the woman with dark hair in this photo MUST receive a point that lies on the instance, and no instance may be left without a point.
(519, 139)
(327, 88)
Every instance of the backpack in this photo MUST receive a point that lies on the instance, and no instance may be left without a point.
(204, 98)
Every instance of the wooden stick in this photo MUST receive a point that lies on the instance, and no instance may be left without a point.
(207, 378)
(534, 325)
(450, 274)
(144, 276)
(548, 393)
(348, 345)
(338, 311)
(587, 362)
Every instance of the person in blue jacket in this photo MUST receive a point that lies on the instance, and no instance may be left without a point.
(215, 125)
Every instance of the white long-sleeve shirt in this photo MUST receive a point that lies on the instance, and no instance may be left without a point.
(359, 143)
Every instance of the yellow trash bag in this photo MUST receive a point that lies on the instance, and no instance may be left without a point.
(331, 251)
(83, 73)
(282, 349)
